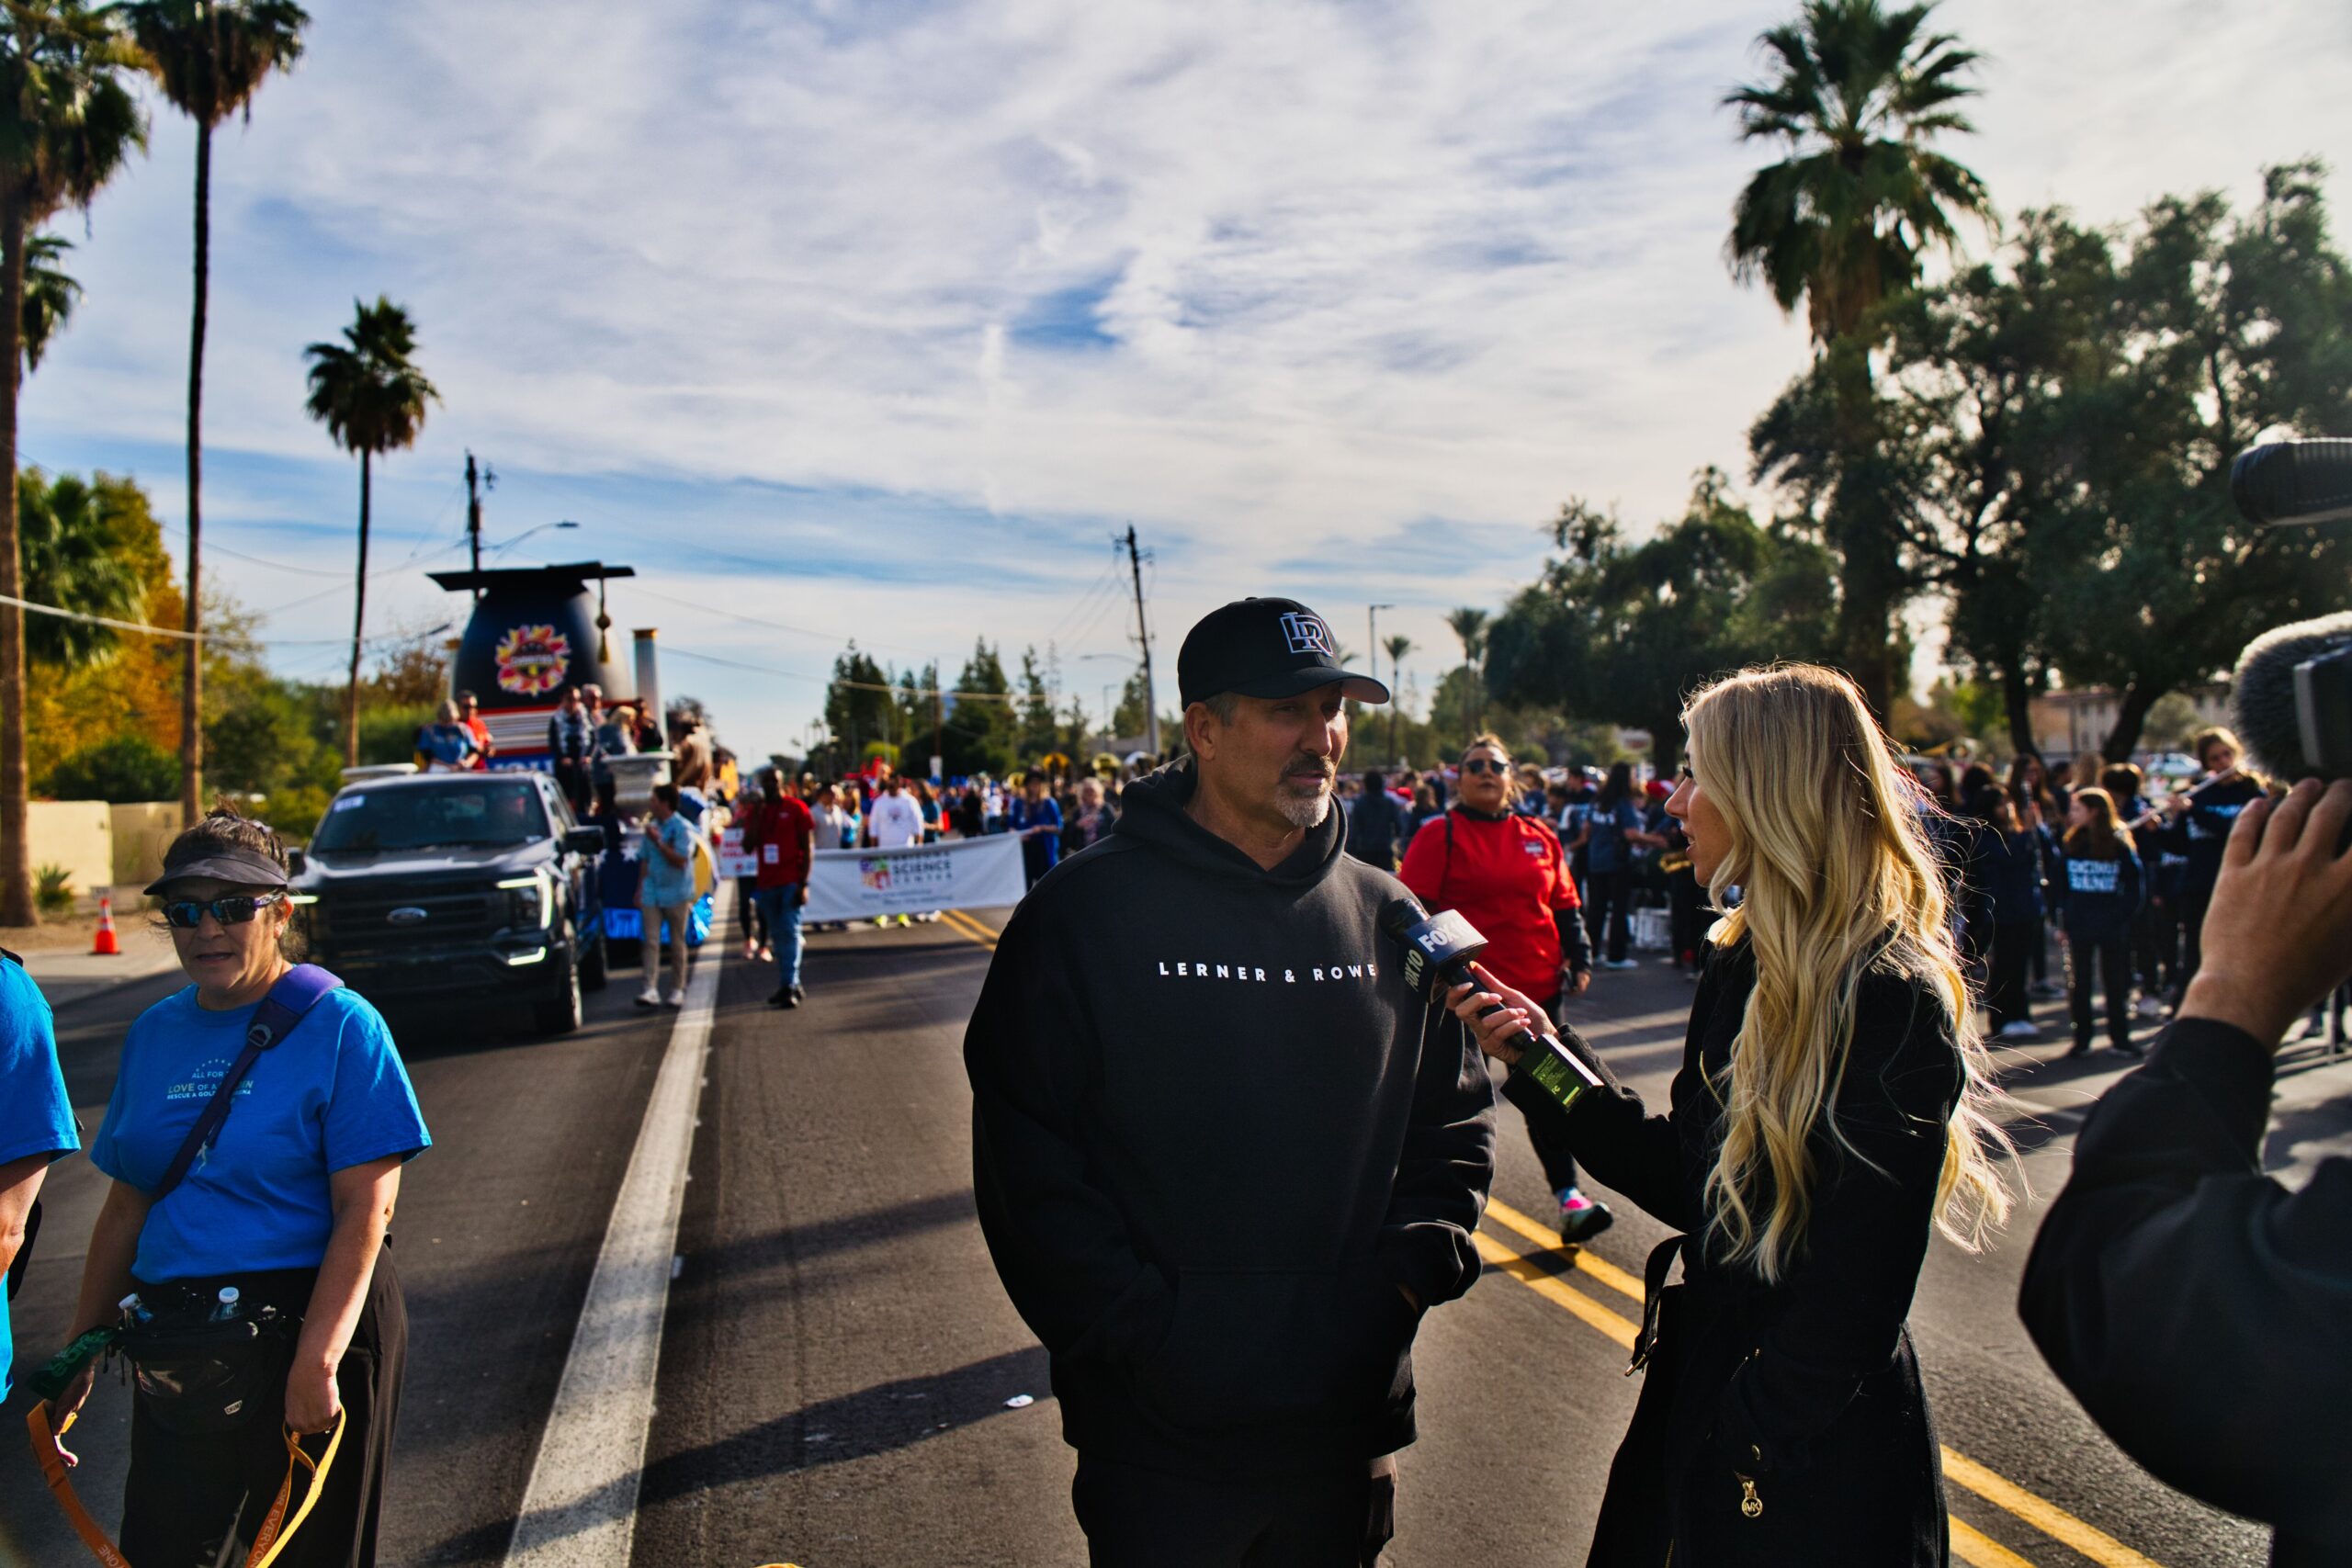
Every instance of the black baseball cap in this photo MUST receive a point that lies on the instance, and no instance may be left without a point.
(1265, 648)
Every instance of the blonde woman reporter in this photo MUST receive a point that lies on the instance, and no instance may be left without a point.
(1829, 1114)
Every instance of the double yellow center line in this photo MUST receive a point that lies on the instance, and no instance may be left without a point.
(1969, 1544)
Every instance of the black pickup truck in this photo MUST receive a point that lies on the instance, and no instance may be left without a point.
(457, 888)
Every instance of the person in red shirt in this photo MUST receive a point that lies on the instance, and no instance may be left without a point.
(782, 837)
(469, 715)
(1507, 875)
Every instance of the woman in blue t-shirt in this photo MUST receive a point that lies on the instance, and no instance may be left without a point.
(288, 1204)
(1610, 833)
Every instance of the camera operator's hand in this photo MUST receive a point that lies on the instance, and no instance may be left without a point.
(2278, 935)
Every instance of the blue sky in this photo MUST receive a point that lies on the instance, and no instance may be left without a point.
(844, 319)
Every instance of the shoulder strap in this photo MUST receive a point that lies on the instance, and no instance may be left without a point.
(297, 991)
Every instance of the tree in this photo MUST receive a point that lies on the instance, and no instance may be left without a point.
(1040, 732)
(211, 57)
(68, 123)
(1469, 623)
(1842, 223)
(1626, 633)
(2230, 327)
(370, 395)
(51, 294)
(979, 733)
(858, 704)
(78, 551)
(1396, 647)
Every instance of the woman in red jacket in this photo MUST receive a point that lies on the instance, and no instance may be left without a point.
(1507, 875)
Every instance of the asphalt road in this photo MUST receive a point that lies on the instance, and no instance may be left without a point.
(838, 1360)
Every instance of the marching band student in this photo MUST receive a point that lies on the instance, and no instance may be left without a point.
(1830, 1112)
(2097, 891)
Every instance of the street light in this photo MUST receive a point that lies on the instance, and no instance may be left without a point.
(502, 549)
(1109, 713)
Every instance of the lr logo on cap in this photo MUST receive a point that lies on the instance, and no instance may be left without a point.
(1308, 633)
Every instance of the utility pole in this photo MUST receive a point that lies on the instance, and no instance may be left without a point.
(1142, 635)
(938, 727)
(476, 482)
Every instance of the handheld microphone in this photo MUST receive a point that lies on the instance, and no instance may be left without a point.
(1439, 951)
(2290, 699)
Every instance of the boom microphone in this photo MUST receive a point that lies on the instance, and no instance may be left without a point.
(2290, 700)
(2293, 481)
(1439, 951)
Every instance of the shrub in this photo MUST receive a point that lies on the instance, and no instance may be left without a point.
(54, 894)
(120, 768)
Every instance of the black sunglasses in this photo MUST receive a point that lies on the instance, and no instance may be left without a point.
(1484, 765)
(234, 910)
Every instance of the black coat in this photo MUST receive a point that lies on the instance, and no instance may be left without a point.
(2197, 1308)
(1806, 1388)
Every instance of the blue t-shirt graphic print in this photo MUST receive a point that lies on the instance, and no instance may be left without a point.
(331, 1095)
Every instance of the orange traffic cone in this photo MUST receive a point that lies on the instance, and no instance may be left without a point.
(104, 945)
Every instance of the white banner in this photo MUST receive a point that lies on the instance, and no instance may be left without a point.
(955, 874)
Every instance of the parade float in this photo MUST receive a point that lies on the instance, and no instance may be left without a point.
(536, 631)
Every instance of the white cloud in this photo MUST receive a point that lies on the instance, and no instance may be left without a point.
(1375, 285)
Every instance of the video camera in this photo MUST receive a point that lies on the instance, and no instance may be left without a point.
(2290, 700)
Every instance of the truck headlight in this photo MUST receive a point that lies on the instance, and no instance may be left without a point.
(530, 899)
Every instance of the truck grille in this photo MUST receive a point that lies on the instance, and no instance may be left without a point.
(363, 923)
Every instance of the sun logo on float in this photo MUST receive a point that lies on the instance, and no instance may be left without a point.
(532, 660)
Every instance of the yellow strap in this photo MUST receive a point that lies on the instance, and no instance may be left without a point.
(265, 1551)
(61, 1485)
(267, 1544)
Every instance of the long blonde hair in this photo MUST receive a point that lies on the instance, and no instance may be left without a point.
(1835, 875)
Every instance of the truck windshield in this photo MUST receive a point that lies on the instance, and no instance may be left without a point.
(492, 811)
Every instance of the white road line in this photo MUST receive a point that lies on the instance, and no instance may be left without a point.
(580, 1507)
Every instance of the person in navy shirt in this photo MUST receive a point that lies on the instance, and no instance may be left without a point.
(2097, 890)
(35, 1120)
(2204, 828)
(290, 1203)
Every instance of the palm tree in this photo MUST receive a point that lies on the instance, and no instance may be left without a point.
(369, 394)
(51, 294)
(1470, 626)
(1398, 648)
(211, 57)
(1842, 223)
(67, 123)
(68, 535)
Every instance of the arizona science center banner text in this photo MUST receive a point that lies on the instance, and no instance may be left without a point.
(958, 873)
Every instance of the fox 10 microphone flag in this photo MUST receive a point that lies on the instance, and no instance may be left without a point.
(955, 873)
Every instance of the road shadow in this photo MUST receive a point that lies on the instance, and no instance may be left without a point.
(883, 1418)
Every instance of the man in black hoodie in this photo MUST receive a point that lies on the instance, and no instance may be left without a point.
(1223, 1158)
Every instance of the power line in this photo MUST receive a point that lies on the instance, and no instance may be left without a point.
(175, 633)
(832, 680)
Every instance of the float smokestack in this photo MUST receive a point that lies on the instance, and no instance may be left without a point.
(648, 675)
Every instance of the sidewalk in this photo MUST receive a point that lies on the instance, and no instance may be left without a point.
(68, 976)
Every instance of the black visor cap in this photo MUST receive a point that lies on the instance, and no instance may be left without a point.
(241, 868)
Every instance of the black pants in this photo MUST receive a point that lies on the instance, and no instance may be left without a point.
(2193, 903)
(2112, 959)
(1612, 896)
(2005, 994)
(1144, 1519)
(186, 1495)
(2037, 956)
(1688, 901)
(747, 902)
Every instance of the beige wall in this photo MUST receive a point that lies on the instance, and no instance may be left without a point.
(77, 835)
(143, 831)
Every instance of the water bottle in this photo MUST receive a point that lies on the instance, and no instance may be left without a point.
(134, 1309)
(226, 1312)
